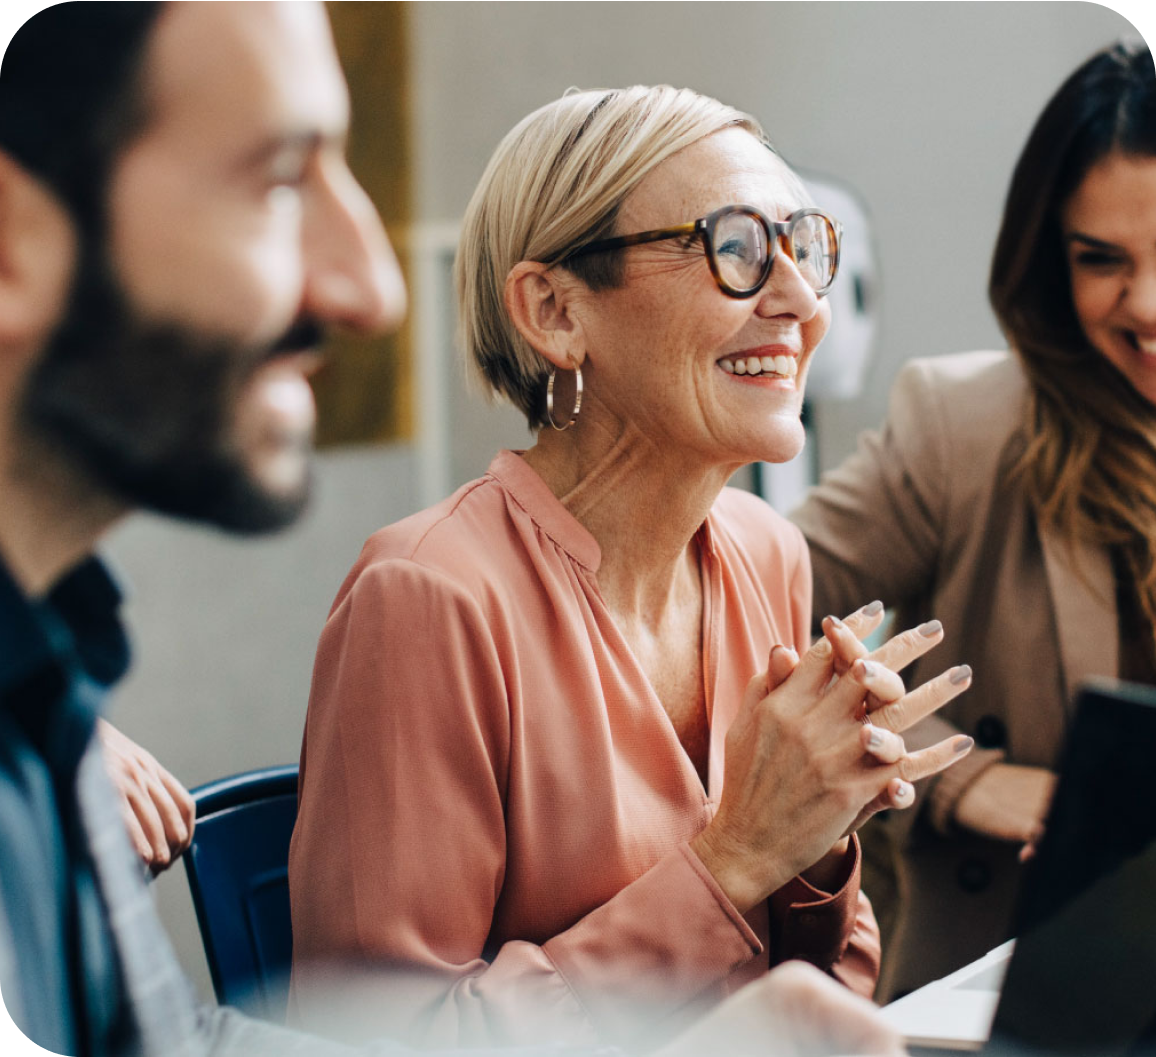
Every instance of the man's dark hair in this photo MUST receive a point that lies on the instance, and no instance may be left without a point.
(70, 98)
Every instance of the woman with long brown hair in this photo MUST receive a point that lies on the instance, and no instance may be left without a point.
(1014, 494)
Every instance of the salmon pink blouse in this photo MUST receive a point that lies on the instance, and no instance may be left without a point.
(494, 807)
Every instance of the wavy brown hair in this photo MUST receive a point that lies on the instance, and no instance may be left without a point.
(1089, 468)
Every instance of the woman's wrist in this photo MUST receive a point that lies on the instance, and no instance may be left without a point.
(722, 868)
(733, 872)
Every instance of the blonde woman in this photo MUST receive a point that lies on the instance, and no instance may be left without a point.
(1014, 495)
(549, 788)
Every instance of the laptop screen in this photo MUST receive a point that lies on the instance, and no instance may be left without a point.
(1083, 977)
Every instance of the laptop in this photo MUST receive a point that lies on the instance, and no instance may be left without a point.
(1081, 976)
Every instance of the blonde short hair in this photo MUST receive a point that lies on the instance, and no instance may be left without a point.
(555, 183)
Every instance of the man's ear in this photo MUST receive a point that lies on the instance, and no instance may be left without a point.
(540, 305)
(38, 250)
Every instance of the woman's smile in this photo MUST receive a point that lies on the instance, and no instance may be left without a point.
(766, 363)
(1144, 343)
(734, 368)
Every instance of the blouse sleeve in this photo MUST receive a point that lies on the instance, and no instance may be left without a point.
(835, 932)
(398, 857)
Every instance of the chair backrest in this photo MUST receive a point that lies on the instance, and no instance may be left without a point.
(238, 870)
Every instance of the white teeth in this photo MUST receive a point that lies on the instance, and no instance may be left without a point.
(782, 366)
(1146, 345)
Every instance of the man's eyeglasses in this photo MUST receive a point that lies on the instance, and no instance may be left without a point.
(741, 242)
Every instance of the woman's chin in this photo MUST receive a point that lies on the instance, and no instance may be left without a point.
(783, 442)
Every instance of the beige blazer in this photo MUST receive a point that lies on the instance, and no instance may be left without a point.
(922, 516)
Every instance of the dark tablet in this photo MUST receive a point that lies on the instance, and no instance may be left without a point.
(1082, 979)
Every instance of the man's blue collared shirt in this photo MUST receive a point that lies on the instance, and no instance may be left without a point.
(58, 657)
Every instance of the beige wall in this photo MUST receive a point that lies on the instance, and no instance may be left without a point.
(922, 106)
(224, 632)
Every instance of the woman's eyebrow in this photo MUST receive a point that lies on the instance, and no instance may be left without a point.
(1079, 236)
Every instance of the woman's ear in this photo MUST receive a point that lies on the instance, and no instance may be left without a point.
(540, 305)
(38, 252)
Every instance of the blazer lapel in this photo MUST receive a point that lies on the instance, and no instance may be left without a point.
(1084, 602)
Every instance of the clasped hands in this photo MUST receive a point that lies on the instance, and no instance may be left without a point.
(815, 751)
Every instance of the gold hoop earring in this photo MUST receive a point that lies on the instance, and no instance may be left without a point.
(577, 399)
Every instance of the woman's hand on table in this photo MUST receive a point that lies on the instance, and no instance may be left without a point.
(804, 768)
(1007, 802)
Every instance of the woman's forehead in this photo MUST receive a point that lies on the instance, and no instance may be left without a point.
(730, 167)
(1116, 199)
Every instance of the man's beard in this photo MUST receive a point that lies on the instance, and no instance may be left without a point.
(145, 409)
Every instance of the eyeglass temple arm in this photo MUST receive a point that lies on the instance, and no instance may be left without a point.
(622, 241)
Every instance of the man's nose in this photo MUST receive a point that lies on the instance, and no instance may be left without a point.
(352, 276)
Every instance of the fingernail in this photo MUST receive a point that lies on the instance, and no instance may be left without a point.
(866, 669)
(836, 623)
(872, 608)
(904, 791)
(959, 674)
(961, 745)
(932, 627)
(875, 738)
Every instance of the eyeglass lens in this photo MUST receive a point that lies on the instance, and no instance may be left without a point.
(813, 245)
(740, 246)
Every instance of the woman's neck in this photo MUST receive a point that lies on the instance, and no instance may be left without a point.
(641, 504)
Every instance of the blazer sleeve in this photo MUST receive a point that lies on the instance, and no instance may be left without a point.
(876, 527)
(875, 524)
(397, 861)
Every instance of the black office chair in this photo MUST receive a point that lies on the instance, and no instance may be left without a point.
(238, 870)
